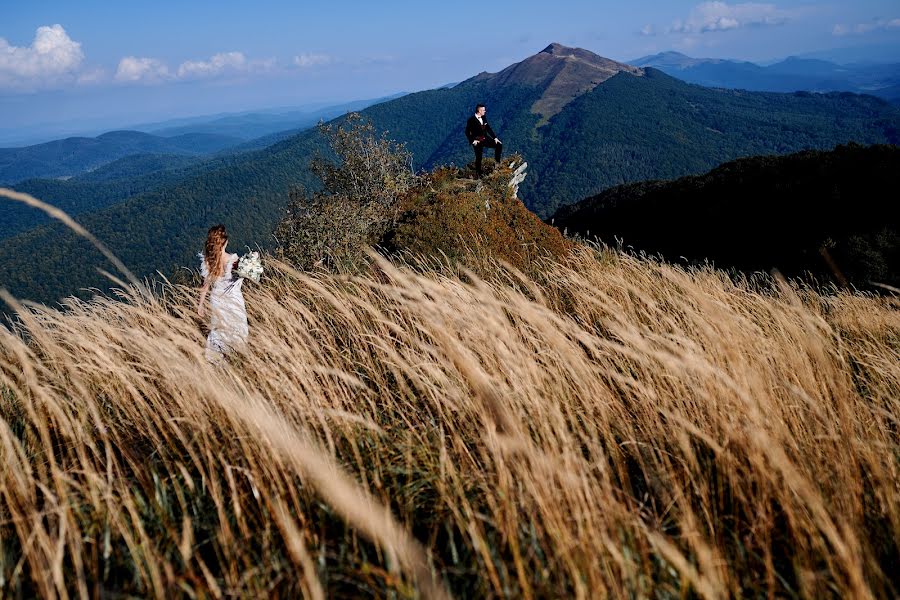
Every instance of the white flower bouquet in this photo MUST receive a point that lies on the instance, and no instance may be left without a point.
(250, 267)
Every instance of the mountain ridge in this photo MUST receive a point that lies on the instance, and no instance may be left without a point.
(74, 155)
(628, 128)
(794, 73)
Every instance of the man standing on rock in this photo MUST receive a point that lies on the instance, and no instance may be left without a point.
(481, 136)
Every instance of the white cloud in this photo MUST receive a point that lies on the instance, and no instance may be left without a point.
(311, 60)
(864, 28)
(148, 70)
(720, 16)
(52, 58)
(216, 65)
(133, 69)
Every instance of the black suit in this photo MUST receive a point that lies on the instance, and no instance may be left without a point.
(485, 136)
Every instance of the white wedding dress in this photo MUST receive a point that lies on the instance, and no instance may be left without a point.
(228, 323)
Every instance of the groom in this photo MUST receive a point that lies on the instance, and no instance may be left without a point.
(481, 136)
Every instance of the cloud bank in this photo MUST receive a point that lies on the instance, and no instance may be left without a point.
(54, 60)
(709, 17)
(216, 65)
(133, 69)
(864, 28)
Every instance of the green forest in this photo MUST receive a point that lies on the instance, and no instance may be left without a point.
(75, 155)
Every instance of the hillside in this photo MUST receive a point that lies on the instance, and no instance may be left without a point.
(138, 173)
(138, 165)
(72, 156)
(763, 213)
(97, 189)
(561, 74)
(161, 229)
(651, 127)
(789, 75)
(608, 427)
(621, 126)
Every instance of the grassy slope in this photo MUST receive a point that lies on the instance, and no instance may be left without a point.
(614, 427)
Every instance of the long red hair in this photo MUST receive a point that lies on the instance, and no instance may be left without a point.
(212, 252)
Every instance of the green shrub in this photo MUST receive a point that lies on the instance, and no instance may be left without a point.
(358, 201)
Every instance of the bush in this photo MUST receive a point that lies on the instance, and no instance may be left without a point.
(358, 201)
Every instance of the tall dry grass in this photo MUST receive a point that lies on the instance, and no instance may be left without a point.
(608, 427)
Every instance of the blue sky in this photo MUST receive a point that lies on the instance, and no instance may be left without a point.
(94, 63)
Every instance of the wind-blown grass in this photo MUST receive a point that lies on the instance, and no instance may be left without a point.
(608, 427)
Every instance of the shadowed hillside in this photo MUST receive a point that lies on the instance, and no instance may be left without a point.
(831, 214)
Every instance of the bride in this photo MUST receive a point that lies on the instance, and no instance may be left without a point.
(228, 315)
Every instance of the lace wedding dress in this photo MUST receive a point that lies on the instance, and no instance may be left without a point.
(228, 323)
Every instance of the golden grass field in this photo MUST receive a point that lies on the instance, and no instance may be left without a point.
(608, 426)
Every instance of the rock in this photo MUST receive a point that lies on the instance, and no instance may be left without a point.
(517, 178)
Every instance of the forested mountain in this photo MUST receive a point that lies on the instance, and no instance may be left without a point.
(137, 165)
(162, 228)
(75, 155)
(634, 128)
(100, 188)
(584, 124)
(621, 124)
(790, 75)
(833, 214)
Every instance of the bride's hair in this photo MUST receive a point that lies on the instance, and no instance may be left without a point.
(215, 240)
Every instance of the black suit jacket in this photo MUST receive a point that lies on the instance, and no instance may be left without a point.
(478, 131)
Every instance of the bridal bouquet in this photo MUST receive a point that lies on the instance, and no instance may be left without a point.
(250, 267)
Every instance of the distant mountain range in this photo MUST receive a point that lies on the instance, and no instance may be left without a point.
(790, 75)
(882, 53)
(832, 214)
(583, 123)
(194, 136)
(71, 156)
(252, 125)
(247, 125)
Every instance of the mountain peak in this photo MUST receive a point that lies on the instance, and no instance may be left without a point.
(564, 73)
(557, 49)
